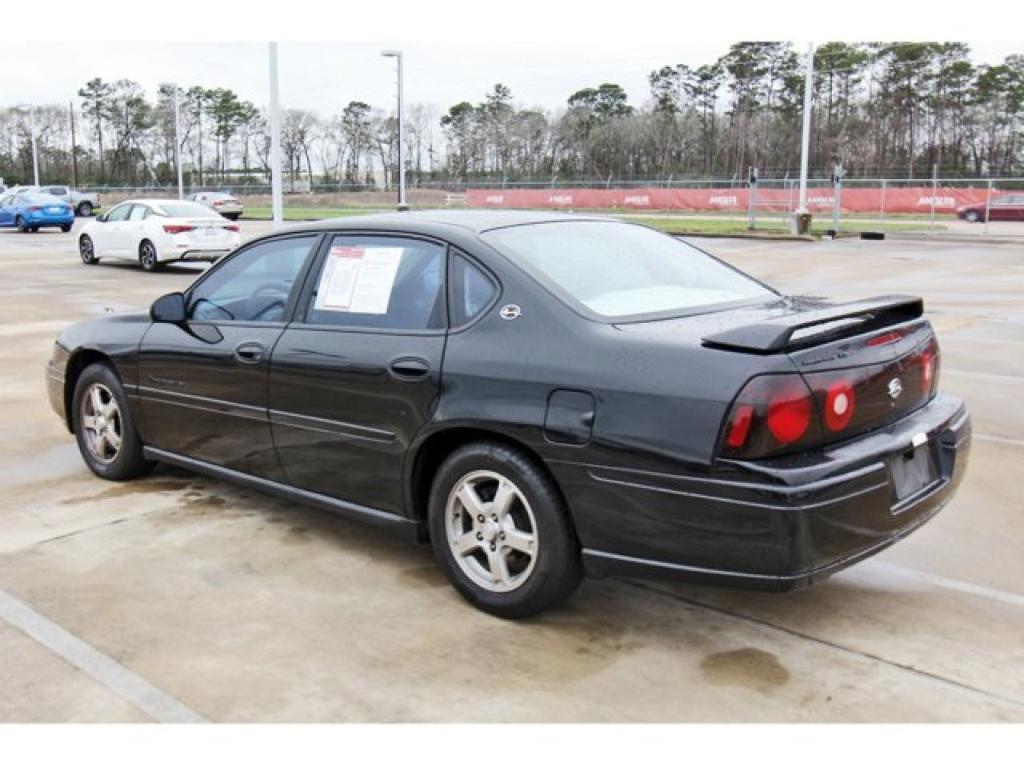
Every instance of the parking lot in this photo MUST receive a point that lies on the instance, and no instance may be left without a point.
(235, 606)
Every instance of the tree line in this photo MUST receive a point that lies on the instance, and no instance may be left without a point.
(879, 109)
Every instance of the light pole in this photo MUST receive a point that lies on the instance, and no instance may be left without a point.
(275, 143)
(402, 205)
(32, 137)
(805, 141)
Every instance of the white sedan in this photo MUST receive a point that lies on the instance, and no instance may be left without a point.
(155, 231)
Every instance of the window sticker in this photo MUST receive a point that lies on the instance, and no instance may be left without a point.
(358, 279)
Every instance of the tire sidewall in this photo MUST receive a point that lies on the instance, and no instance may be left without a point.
(129, 461)
(155, 263)
(557, 569)
(91, 258)
(85, 209)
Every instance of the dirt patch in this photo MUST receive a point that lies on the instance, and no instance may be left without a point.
(749, 668)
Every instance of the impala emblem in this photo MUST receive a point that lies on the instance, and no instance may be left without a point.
(510, 311)
(895, 388)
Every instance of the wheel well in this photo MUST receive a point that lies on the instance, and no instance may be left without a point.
(440, 445)
(78, 362)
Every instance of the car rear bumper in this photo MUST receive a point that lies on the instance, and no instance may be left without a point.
(35, 219)
(203, 255)
(781, 523)
(55, 389)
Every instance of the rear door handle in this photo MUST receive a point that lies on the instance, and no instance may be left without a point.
(249, 352)
(410, 368)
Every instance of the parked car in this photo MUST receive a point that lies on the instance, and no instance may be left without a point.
(156, 231)
(1007, 207)
(83, 203)
(539, 395)
(222, 202)
(31, 211)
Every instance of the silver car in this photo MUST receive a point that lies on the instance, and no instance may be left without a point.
(222, 202)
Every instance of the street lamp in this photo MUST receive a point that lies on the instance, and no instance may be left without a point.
(402, 205)
(32, 135)
(177, 141)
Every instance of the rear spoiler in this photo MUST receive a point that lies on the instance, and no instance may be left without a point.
(812, 327)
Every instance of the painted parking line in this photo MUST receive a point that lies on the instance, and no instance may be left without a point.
(950, 583)
(116, 677)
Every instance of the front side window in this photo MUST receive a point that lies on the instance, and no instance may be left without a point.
(253, 285)
(119, 213)
(621, 271)
(380, 282)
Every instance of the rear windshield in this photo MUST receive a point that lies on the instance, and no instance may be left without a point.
(622, 271)
(186, 210)
(40, 199)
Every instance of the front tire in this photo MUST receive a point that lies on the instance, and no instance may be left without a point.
(87, 250)
(147, 256)
(972, 216)
(104, 428)
(501, 532)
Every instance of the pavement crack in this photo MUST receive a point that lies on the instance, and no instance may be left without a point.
(827, 643)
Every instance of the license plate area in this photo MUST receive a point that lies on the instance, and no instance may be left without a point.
(913, 472)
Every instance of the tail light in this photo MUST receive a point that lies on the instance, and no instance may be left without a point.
(772, 414)
(218, 203)
(34, 209)
(172, 228)
(233, 227)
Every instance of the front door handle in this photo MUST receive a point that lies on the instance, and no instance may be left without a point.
(249, 352)
(409, 368)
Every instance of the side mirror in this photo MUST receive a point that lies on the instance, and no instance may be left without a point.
(101, 218)
(168, 308)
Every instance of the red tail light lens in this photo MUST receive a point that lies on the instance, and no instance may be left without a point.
(177, 229)
(34, 209)
(929, 361)
(233, 227)
(772, 414)
(840, 402)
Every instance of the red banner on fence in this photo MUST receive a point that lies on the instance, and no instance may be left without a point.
(917, 199)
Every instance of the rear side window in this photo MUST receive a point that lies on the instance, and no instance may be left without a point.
(472, 290)
(139, 213)
(380, 282)
(119, 213)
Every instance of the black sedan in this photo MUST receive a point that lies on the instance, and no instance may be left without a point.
(538, 395)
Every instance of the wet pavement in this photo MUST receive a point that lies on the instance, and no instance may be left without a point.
(242, 607)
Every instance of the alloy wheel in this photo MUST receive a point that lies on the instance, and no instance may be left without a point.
(148, 256)
(101, 423)
(491, 531)
(85, 249)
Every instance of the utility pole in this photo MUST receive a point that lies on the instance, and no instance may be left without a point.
(74, 147)
(803, 215)
(275, 143)
(177, 142)
(402, 205)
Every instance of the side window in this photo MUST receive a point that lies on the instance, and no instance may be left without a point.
(139, 213)
(472, 290)
(380, 282)
(119, 213)
(6, 201)
(253, 285)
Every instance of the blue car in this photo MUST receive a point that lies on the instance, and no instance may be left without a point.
(32, 211)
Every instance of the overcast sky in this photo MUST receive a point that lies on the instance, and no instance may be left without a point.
(325, 76)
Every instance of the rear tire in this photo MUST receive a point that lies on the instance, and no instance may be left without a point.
(65, 228)
(147, 256)
(500, 530)
(104, 428)
(972, 216)
(84, 209)
(23, 227)
(87, 250)
(233, 216)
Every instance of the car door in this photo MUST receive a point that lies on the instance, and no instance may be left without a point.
(7, 210)
(107, 235)
(133, 230)
(358, 371)
(203, 383)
